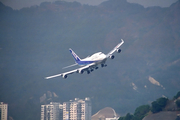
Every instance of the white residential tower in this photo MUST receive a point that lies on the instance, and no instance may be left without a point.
(52, 111)
(3, 111)
(77, 110)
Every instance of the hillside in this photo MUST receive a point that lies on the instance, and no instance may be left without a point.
(165, 115)
(34, 44)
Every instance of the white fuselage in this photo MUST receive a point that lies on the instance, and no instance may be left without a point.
(98, 57)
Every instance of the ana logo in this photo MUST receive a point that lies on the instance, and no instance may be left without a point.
(117, 46)
(75, 56)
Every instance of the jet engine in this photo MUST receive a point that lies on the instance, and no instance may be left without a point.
(111, 56)
(81, 71)
(64, 76)
(102, 65)
(118, 50)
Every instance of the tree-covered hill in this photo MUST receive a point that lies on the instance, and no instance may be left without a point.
(162, 108)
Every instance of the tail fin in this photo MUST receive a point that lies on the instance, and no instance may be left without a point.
(76, 58)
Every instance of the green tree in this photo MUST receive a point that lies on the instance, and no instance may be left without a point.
(178, 118)
(141, 112)
(178, 103)
(159, 104)
(128, 117)
(162, 101)
(121, 118)
(177, 95)
(155, 107)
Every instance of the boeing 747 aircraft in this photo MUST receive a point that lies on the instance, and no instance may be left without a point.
(89, 63)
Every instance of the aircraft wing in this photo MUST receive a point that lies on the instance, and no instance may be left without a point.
(66, 73)
(78, 70)
(115, 48)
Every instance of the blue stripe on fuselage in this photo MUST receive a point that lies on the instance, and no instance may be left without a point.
(85, 62)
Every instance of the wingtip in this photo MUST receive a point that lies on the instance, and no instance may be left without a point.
(122, 40)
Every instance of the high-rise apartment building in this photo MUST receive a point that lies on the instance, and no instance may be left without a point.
(3, 111)
(52, 111)
(77, 110)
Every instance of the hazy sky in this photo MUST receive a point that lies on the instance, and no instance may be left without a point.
(18, 4)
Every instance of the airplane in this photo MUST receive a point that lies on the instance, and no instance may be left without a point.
(89, 63)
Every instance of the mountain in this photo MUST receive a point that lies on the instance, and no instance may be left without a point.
(34, 44)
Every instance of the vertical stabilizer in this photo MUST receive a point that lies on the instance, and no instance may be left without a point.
(76, 58)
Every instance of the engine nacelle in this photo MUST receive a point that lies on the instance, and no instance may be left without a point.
(64, 76)
(118, 50)
(102, 65)
(81, 71)
(111, 56)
